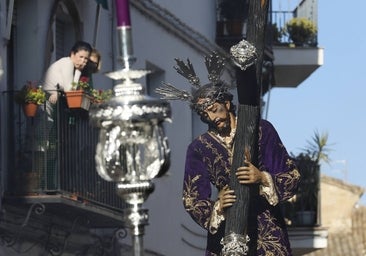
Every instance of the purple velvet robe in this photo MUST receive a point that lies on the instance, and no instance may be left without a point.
(208, 162)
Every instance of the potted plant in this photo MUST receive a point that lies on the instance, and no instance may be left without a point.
(306, 203)
(308, 164)
(301, 31)
(80, 95)
(100, 95)
(275, 32)
(234, 13)
(29, 97)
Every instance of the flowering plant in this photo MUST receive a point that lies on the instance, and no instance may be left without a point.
(83, 84)
(301, 30)
(98, 95)
(30, 93)
(101, 95)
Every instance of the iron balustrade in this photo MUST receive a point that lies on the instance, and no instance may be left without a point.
(277, 27)
(45, 157)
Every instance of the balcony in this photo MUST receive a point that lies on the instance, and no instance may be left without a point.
(290, 63)
(305, 240)
(293, 62)
(51, 181)
(303, 212)
(293, 65)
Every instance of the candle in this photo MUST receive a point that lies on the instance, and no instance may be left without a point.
(123, 13)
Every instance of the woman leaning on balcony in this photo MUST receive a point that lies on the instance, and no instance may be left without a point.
(67, 70)
(59, 76)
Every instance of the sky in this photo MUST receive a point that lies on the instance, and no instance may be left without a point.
(330, 100)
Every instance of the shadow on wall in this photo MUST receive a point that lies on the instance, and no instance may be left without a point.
(1, 69)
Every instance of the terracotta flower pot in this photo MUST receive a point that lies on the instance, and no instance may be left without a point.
(77, 99)
(30, 109)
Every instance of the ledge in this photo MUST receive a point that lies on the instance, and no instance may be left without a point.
(293, 65)
(307, 239)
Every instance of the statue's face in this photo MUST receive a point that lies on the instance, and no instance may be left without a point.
(218, 117)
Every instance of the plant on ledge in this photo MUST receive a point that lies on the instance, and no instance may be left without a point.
(100, 95)
(82, 94)
(301, 31)
(83, 84)
(29, 97)
(30, 93)
(275, 33)
(308, 164)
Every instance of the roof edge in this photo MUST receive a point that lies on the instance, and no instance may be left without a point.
(175, 26)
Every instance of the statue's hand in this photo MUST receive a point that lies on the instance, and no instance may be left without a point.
(249, 174)
(226, 198)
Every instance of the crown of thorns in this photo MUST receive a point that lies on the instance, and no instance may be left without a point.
(243, 55)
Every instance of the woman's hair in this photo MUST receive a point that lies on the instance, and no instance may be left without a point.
(81, 45)
(97, 54)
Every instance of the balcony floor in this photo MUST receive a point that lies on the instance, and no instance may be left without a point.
(293, 65)
(307, 239)
(69, 208)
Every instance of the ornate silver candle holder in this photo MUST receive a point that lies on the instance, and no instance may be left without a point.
(132, 148)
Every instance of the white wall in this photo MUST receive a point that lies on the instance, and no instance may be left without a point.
(199, 15)
(153, 44)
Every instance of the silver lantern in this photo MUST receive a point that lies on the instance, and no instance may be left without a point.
(132, 148)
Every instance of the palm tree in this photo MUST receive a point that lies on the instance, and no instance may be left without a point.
(308, 163)
(317, 148)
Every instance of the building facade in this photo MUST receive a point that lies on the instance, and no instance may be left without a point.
(35, 33)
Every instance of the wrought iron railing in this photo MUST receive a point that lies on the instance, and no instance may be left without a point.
(304, 208)
(229, 32)
(278, 25)
(278, 32)
(54, 154)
